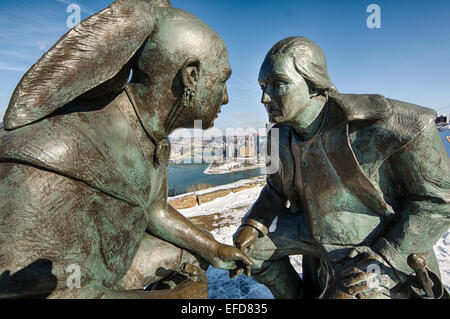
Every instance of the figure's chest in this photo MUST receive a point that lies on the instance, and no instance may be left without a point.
(141, 163)
(336, 213)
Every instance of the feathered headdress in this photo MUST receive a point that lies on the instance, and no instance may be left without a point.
(92, 53)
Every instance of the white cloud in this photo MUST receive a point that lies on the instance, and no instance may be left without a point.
(235, 82)
(8, 67)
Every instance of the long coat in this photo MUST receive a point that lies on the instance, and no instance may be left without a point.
(376, 174)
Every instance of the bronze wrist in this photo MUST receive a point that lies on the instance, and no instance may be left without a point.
(257, 225)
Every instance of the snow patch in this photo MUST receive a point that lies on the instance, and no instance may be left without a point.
(273, 226)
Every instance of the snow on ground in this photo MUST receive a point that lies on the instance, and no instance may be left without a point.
(226, 214)
(241, 164)
(240, 183)
(232, 208)
(442, 250)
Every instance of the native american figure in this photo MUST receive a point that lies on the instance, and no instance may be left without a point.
(84, 156)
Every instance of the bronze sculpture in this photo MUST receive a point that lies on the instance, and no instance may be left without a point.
(362, 190)
(83, 157)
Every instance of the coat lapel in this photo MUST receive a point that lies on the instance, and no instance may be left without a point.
(337, 145)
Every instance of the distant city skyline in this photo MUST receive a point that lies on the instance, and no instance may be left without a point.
(407, 59)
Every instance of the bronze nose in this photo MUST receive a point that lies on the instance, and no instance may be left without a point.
(265, 98)
(225, 99)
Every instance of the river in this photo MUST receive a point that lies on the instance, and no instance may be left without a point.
(443, 135)
(184, 178)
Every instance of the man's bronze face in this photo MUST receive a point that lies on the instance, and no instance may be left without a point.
(212, 91)
(183, 38)
(285, 91)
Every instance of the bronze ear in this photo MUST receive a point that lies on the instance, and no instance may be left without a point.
(88, 55)
(190, 72)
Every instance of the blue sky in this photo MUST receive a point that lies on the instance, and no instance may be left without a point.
(407, 59)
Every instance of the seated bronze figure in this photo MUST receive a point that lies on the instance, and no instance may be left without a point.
(84, 156)
(362, 189)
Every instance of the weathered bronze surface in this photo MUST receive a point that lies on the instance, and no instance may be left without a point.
(83, 158)
(363, 182)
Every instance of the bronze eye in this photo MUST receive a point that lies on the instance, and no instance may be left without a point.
(278, 83)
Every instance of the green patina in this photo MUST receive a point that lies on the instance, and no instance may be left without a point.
(83, 158)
